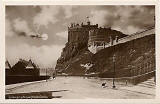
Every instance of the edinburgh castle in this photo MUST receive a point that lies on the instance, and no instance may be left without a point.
(93, 46)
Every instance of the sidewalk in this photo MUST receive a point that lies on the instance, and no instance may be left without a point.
(147, 88)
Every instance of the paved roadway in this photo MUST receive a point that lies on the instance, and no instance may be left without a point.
(79, 88)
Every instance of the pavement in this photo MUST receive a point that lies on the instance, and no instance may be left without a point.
(84, 88)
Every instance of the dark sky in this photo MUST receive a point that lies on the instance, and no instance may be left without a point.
(23, 21)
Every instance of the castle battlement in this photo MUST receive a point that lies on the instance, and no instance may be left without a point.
(79, 32)
(82, 25)
(99, 30)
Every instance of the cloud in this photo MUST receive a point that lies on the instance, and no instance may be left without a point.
(68, 11)
(98, 17)
(63, 34)
(8, 28)
(128, 29)
(128, 19)
(21, 27)
(43, 56)
(48, 14)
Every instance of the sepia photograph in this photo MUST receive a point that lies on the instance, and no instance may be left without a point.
(80, 52)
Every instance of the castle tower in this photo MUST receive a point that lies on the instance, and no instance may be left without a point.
(80, 33)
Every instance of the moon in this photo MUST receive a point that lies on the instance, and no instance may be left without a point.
(44, 36)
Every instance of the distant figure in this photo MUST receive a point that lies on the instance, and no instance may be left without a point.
(51, 78)
(126, 82)
(104, 85)
(54, 76)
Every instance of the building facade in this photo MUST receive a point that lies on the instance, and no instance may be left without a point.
(102, 37)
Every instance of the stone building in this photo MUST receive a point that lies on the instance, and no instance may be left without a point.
(101, 37)
(77, 32)
(78, 35)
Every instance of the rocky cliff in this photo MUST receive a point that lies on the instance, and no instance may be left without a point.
(72, 57)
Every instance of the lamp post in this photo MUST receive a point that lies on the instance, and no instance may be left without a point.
(46, 74)
(114, 59)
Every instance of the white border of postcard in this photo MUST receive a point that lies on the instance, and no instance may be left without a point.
(78, 2)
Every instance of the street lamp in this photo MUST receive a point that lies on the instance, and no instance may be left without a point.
(46, 74)
(114, 59)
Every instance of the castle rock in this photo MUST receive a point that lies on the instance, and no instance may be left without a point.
(83, 38)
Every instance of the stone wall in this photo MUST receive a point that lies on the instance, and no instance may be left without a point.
(101, 36)
(133, 58)
(94, 48)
